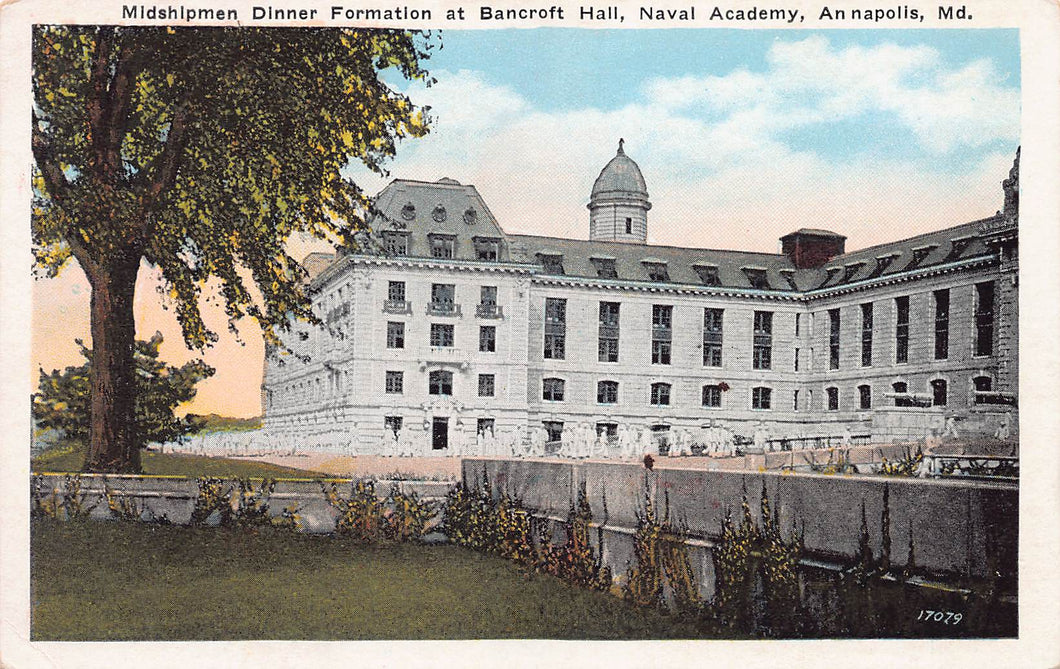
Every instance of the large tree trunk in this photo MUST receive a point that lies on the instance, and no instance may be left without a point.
(114, 442)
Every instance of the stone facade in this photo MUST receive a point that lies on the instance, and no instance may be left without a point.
(453, 326)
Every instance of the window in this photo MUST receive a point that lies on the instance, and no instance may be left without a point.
(487, 249)
(442, 246)
(392, 423)
(661, 333)
(396, 243)
(761, 398)
(552, 390)
(712, 337)
(605, 268)
(486, 385)
(552, 263)
(866, 334)
(833, 338)
(554, 429)
(395, 335)
(901, 329)
(487, 339)
(629, 225)
(833, 398)
(441, 334)
(864, 397)
(919, 254)
(757, 277)
(657, 271)
(942, 324)
(608, 430)
(795, 401)
(901, 388)
(443, 293)
(607, 392)
(938, 393)
(708, 274)
(798, 324)
(762, 357)
(660, 394)
(712, 396)
(440, 382)
(488, 295)
(984, 318)
(796, 359)
(983, 384)
(485, 425)
(608, 332)
(555, 328)
(395, 291)
(395, 382)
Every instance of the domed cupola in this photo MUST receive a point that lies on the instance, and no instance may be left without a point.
(618, 206)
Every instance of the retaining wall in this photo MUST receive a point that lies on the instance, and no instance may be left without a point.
(962, 531)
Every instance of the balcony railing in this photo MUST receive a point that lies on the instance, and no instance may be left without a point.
(487, 310)
(397, 307)
(443, 309)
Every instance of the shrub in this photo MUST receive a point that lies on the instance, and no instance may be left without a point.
(361, 516)
(213, 497)
(408, 517)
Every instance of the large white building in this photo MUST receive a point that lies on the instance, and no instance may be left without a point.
(450, 325)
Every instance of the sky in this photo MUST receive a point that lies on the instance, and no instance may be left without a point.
(742, 137)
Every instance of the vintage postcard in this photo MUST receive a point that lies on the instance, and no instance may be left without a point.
(562, 335)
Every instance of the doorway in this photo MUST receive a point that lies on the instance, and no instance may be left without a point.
(440, 433)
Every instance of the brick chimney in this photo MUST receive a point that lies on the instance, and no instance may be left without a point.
(809, 248)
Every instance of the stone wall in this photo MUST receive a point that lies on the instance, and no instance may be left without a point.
(961, 531)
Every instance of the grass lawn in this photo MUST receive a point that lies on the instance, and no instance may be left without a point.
(126, 581)
(175, 464)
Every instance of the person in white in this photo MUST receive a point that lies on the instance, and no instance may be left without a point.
(647, 444)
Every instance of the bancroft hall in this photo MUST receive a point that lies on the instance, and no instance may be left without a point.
(445, 335)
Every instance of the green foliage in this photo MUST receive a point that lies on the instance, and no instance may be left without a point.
(213, 496)
(644, 578)
(838, 463)
(756, 574)
(908, 465)
(575, 560)
(136, 153)
(67, 502)
(408, 517)
(63, 397)
(252, 504)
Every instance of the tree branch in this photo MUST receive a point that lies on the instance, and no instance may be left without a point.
(95, 104)
(162, 173)
(54, 179)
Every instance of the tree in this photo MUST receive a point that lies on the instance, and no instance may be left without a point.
(62, 401)
(201, 151)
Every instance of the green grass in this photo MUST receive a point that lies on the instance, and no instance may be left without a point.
(174, 464)
(125, 581)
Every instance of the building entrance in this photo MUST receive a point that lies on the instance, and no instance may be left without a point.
(440, 433)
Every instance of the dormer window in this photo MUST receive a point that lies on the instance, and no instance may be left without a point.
(487, 248)
(957, 247)
(789, 278)
(442, 246)
(396, 243)
(408, 212)
(605, 268)
(757, 277)
(439, 214)
(708, 274)
(470, 216)
(656, 271)
(832, 272)
(919, 254)
(552, 262)
(850, 270)
(882, 263)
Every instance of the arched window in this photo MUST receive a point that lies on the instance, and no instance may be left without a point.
(982, 384)
(901, 388)
(607, 392)
(441, 383)
(833, 398)
(660, 394)
(552, 390)
(865, 397)
(761, 397)
(938, 393)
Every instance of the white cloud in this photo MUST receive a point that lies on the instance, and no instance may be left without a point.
(712, 151)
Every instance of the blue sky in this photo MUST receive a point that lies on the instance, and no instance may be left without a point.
(742, 135)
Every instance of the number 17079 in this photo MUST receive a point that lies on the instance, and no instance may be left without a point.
(944, 617)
